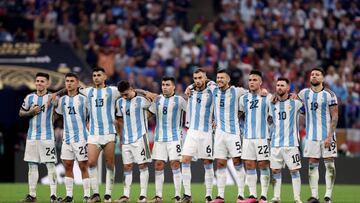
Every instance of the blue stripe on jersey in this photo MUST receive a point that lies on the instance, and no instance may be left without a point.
(313, 112)
(197, 110)
(232, 114)
(73, 120)
(291, 123)
(307, 113)
(138, 117)
(92, 127)
(31, 99)
(323, 116)
(66, 130)
(253, 118)
(48, 121)
(157, 104)
(222, 110)
(165, 118)
(173, 119)
(207, 112)
(215, 104)
(189, 120)
(38, 119)
(108, 110)
(274, 121)
(128, 121)
(82, 114)
(98, 113)
(263, 123)
(282, 129)
(245, 99)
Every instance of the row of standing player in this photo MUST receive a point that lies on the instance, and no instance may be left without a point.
(132, 119)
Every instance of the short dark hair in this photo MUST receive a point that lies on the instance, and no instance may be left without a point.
(283, 79)
(42, 74)
(199, 70)
(319, 69)
(167, 78)
(256, 72)
(123, 85)
(223, 71)
(96, 69)
(72, 75)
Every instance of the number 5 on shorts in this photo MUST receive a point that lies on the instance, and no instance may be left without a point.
(238, 146)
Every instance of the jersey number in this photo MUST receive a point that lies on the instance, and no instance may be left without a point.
(164, 110)
(254, 104)
(178, 148)
(314, 106)
(282, 115)
(238, 146)
(99, 102)
(263, 149)
(50, 151)
(222, 102)
(83, 150)
(208, 149)
(71, 110)
(198, 100)
(296, 158)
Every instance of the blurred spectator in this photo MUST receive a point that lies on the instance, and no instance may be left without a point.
(66, 31)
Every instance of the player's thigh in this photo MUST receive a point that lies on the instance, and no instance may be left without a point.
(190, 144)
(47, 151)
(233, 145)
(159, 151)
(249, 150)
(276, 158)
(80, 150)
(331, 151)
(67, 152)
(220, 150)
(174, 150)
(312, 149)
(31, 151)
(206, 146)
(109, 152)
(292, 157)
(93, 153)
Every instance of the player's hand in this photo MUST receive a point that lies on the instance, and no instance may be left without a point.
(150, 96)
(274, 99)
(328, 141)
(293, 96)
(214, 124)
(35, 110)
(264, 92)
(188, 92)
(52, 99)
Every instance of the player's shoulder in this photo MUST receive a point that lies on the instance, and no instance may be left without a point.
(304, 90)
(31, 94)
(330, 92)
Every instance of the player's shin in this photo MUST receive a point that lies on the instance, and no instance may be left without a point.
(240, 181)
(221, 181)
(209, 178)
(177, 181)
(159, 182)
(33, 176)
(264, 181)
(277, 185)
(127, 182)
(314, 179)
(251, 179)
(144, 179)
(93, 174)
(110, 176)
(329, 177)
(186, 175)
(296, 183)
(69, 185)
(52, 177)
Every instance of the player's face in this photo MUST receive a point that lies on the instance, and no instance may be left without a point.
(222, 80)
(71, 83)
(128, 94)
(281, 88)
(168, 87)
(316, 78)
(199, 79)
(254, 82)
(41, 83)
(99, 78)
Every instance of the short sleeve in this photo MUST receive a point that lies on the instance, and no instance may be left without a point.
(211, 85)
(241, 91)
(152, 107)
(241, 103)
(301, 95)
(183, 104)
(118, 105)
(84, 90)
(115, 92)
(332, 99)
(26, 104)
(145, 103)
(58, 108)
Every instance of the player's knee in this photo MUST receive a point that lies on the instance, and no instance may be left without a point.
(83, 166)
(236, 161)
(249, 164)
(207, 161)
(221, 163)
(313, 160)
(276, 171)
(263, 164)
(159, 165)
(175, 165)
(142, 166)
(186, 159)
(128, 167)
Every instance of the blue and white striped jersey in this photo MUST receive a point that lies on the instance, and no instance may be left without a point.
(226, 109)
(101, 106)
(317, 112)
(285, 116)
(74, 111)
(134, 114)
(169, 113)
(41, 125)
(256, 110)
(200, 110)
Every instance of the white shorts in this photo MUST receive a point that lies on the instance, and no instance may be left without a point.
(101, 140)
(198, 144)
(40, 151)
(76, 150)
(285, 155)
(255, 149)
(316, 149)
(136, 152)
(163, 150)
(226, 145)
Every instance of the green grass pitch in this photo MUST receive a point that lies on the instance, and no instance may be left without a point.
(14, 192)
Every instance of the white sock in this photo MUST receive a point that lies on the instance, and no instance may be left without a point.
(277, 185)
(33, 177)
(52, 177)
(329, 177)
(251, 179)
(221, 181)
(186, 176)
(264, 181)
(240, 180)
(314, 179)
(69, 185)
(86, 186)
(110, 176)
(144, 179)
(159, 182)
(177, 181)
(93, 175)
(296, 183)
(127, 183)
(209, 178)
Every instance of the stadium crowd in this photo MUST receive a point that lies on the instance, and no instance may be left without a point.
(144, 40)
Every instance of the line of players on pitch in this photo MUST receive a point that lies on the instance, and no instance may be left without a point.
(252, 127)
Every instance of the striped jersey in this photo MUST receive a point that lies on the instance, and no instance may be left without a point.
(74, 112)
(285, 115)
(169, 112)
(101, 106)
(317, 113)
(40, 125)
(134, 114)
(226, 108)
(200, 110)
(255, 108)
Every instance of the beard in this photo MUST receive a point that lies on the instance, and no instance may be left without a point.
(315, 83)
(281, 94)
